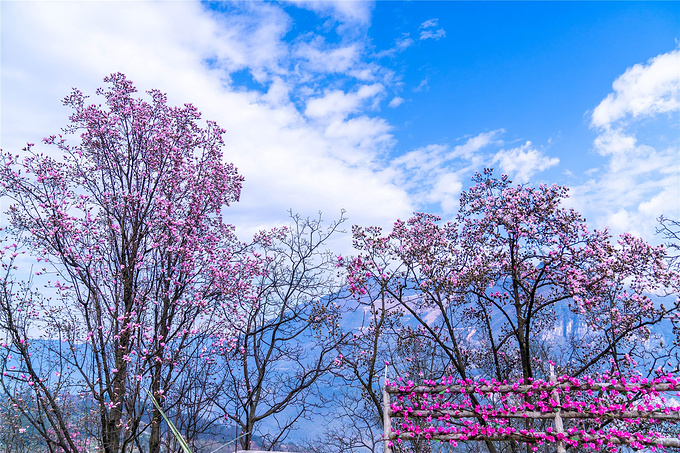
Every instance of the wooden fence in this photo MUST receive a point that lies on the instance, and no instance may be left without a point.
(558, 415)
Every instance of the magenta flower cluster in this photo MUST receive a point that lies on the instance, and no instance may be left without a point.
(444, 410)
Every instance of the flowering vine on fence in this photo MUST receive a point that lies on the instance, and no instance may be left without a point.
(603, 412)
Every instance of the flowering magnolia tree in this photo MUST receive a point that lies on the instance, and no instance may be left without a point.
(126, 227)
(516, 281)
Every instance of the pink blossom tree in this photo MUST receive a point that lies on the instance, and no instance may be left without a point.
(127, 226)
(518, 280)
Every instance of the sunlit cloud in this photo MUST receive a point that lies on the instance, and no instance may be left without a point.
(344, 11)
(432, 34)
(429, 23)
(317, 56)
(337, 103)
(523, 162)
(641, 179)
(644, 90)
(427, 33)
(435, 174)
(396, 102)
(400, 45)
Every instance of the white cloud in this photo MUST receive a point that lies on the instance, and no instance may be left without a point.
(323, 59)
(641, 178)
(434, 174)
(432, 34)
(614, 141)
(632, 190)
(351, 11)
(340, 104)
(396, 102)
(278, 94)
(404, 42)
(361, 141)
(446, 191)
(422, 86)
(474, 144)
(400, 45)
(423, 159)
(643, 90)
(429, 23)
(433, 157)
(523, 162)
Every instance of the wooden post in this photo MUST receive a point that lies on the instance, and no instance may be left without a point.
(387, 421)
(559, 426)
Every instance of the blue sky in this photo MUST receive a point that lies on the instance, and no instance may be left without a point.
(382, 108)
